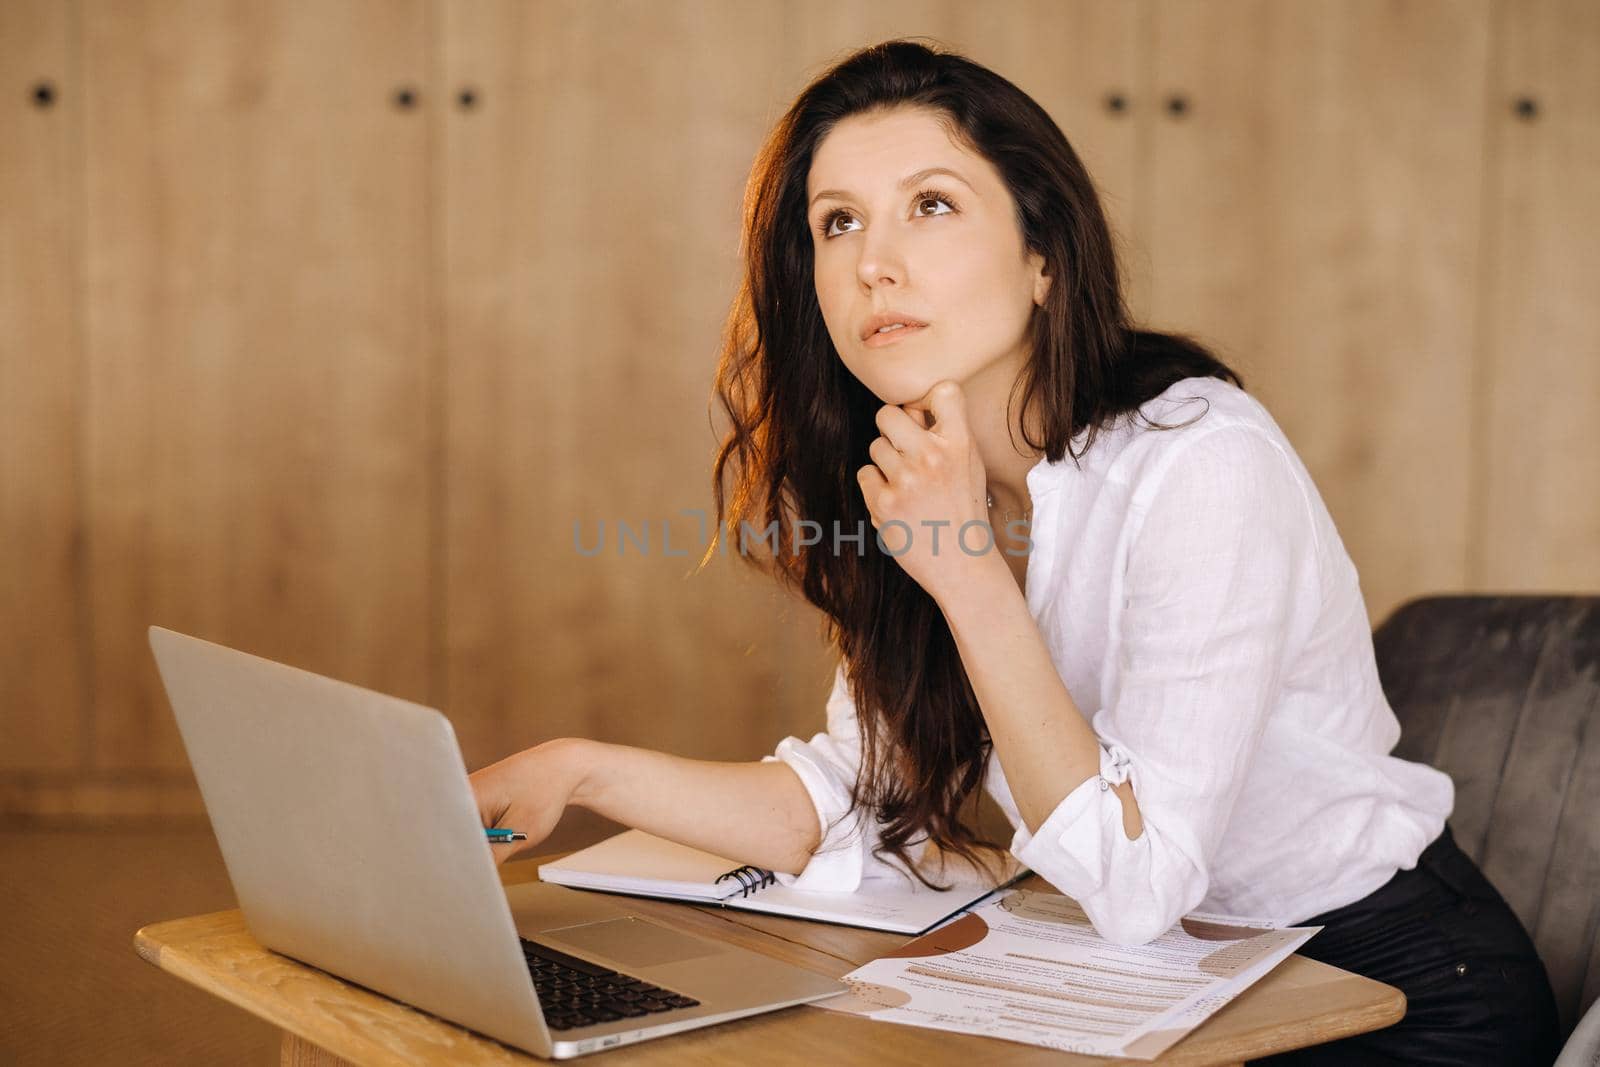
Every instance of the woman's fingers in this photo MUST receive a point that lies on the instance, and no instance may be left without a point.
(947, 405)
(872, 482)
(524, 792)
(904, 433)
(887, 457)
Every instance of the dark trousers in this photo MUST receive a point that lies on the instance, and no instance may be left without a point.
(1476, 991)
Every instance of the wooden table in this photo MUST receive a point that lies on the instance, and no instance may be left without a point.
(327, 1021)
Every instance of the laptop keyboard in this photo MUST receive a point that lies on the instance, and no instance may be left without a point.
(574, 992)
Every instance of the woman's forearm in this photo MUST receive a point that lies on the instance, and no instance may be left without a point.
(1041, 738)
(756, 813)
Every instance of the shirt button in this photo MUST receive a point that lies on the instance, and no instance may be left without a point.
(1461, 970)
(1104, 785)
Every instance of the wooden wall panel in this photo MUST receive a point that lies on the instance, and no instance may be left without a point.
(591, 255)
(86, 799)
(42, 649)
(1314, 214)
(1538, 521)
(1069, 56)
(591, 198)
(292, 367)
(259, 346)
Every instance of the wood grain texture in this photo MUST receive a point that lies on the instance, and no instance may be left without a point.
(1537, 524)
(298, 1052)
(590, 256)
(1313, 214)
(1069, 56)
(43, 651)
(258, 415)
(68, 799)
(591, 204)
(1300, 1002)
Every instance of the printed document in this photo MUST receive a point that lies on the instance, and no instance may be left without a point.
(1030, 967)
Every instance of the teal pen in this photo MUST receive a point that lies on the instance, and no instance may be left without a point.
(505, 835)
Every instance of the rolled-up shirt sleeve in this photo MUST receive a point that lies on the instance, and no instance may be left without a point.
(827, 766)
(1217, 573)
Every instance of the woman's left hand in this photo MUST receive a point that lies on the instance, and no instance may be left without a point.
(926, 483)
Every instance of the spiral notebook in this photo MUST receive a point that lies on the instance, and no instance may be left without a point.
(641, 864)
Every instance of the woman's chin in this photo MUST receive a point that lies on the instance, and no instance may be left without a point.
(904, 385)
(904, 388)
(902, 396)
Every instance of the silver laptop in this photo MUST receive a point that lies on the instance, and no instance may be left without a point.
(353, 842)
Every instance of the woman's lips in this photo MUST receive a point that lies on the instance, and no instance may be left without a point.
(878, 340)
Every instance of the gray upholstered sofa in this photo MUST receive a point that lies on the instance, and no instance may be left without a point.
(1503, 694)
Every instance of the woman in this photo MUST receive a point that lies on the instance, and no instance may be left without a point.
(1165, 647)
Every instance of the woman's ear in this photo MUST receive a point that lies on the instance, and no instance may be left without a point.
(1041, 280)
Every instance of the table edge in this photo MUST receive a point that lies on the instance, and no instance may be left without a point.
(151, 947)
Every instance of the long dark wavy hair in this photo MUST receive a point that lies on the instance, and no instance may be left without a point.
(801, 422)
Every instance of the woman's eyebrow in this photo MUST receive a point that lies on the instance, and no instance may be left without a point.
(906, 182)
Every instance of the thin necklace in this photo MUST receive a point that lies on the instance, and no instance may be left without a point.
(1027, 513)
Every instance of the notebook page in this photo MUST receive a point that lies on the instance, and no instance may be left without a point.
(897, 905)
(637, 862)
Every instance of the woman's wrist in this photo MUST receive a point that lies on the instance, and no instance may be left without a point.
(573, 760)
(975, 589)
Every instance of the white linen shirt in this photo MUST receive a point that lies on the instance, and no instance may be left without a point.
(1204, 615)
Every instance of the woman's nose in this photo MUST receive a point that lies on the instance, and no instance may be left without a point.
(881, 263)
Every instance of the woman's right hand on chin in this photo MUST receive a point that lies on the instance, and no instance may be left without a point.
(527, 791)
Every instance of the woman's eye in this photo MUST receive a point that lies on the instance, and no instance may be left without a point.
(919, 203)
(826, 226)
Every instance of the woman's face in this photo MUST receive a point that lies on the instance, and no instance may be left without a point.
(943, 249)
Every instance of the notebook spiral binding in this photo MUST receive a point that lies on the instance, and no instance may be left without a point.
(751, 878)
